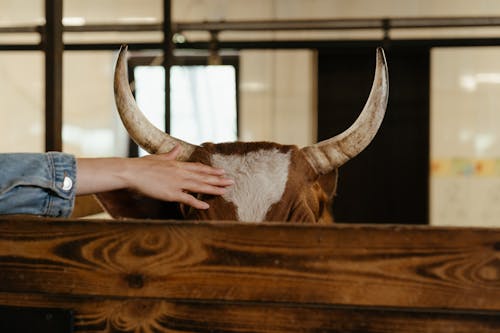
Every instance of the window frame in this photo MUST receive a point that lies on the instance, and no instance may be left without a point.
(145, 59)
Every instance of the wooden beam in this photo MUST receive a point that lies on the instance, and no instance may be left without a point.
(421, 267)
(159, 276)
(98, 314)
(53, 47)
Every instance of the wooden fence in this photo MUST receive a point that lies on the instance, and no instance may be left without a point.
(168, 276)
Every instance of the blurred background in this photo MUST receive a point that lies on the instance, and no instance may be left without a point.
(291, 71)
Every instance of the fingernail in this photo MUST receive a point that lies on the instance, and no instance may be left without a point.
(204, 205)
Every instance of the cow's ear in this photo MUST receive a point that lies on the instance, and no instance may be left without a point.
(328, 182)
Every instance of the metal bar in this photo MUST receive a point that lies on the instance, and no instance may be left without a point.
(348, 24)
(240, 45)
(279, 25)
(299, 44)
(113, 27)
(87, 28)
(318, 44)
(394, 23)
(20, 29)
(20, 47)
(437, 22)
(110, 46)
(83, 47)
(167, 48)
(53, 46)
(335, 24)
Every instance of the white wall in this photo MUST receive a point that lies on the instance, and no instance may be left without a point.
(22, 101)
(278, 97)
(325, 9)
(465, 136)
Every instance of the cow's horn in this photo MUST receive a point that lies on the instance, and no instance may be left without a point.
(329, 154)
(138, 126)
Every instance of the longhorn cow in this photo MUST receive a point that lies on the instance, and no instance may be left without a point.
(273, 182)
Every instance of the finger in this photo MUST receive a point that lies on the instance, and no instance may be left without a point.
(220, 181)
(203, 168)
(209, 179)
(198, 187)
(172, 154)
(188, 199)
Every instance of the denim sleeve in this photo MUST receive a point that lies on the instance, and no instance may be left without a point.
(37, 184)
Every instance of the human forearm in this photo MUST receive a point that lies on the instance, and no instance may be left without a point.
(96, 175)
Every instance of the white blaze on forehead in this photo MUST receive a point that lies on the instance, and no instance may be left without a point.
(260, 179)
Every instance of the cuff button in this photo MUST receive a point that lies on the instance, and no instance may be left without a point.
(67, 184)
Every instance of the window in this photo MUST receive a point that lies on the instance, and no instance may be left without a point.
(203, 101)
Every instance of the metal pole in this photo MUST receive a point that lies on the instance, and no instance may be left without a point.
(53, 47)
(167, 56)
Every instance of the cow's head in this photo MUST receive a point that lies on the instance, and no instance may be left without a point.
(273, 182)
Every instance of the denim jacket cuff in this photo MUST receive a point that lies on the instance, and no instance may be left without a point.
(63, 168)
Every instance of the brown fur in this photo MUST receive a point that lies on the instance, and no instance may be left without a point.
(306, 197)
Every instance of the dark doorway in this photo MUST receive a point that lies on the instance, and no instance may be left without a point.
(388, 181)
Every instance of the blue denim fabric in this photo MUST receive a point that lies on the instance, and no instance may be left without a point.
(32, 183)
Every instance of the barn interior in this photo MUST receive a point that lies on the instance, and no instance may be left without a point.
(293, 72)
(416, 246)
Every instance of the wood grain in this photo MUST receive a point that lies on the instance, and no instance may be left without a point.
(148, 316)
(389, 266)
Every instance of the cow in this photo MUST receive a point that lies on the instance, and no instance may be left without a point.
(273, 182)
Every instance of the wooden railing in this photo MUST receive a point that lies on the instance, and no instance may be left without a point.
(167, 276)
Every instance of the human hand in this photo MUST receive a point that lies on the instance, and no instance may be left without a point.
(162, 177)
